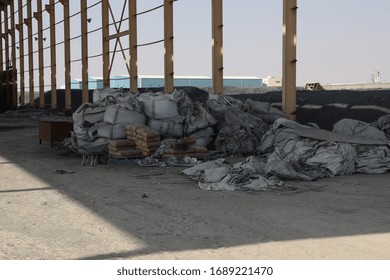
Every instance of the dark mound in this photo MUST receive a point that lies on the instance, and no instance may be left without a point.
(327, 107)
(194, 93)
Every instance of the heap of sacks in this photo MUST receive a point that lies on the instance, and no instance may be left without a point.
(183, 147)
(231, 126)
(146, 140)
(123, 148)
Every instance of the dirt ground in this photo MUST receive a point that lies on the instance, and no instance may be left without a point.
(123, 211)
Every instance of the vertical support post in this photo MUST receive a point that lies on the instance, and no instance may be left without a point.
(13, 57)
(84, 50)
(51, 9)
(38, 17)
(217, 45)
(106, 43)
(168, 45)
(133, 46)
(28, 22)
(21, 54)
(1, 40)
(68, 97)
(6, 41)
(7, 56)
(289, 58)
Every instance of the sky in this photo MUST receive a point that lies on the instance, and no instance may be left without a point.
(338, 41)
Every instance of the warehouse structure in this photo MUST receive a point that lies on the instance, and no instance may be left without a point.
(17, 17)
(149, 81)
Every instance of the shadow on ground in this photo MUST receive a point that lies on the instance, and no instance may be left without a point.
(169, 214)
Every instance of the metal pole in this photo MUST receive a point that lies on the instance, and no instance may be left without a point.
(38, 17)
(68, 96)
(51, 9)
(289, 57)
(168, 43)
(28, 22)
(13, 56)
(133, 46)
(21, 54)
(6, 37)
(217, 46)
(84, 50)
(106, 44)
(1, 40)
(7, 60)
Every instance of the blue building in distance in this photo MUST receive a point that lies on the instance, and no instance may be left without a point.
(93, 83)
(149, 81)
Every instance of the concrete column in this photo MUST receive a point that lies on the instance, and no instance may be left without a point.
(84, 50)
(217, 45)
(133, 46)
(289, 58)
(168, 45)
(106, 43)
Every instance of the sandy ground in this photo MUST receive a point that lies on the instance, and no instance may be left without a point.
(123, 211)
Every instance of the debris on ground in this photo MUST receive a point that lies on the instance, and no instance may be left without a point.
(173, 130)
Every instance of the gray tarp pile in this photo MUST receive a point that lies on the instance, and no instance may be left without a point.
(297, 152)
(219, 175)
(302, 152)
(286, 149)
(241, 125)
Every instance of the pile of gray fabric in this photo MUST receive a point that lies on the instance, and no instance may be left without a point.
(291, 151)
(241, 125)
(301, 152)
(219, 175)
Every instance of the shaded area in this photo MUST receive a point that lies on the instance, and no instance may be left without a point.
(169, 214)
(10, 128)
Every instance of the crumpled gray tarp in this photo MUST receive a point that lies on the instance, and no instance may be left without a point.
(172, 161)
(383, 124)
(307, 153)
(242, 133)
(218, 175)
(375, 161)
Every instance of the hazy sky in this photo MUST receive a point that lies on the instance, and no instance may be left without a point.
(339, 41)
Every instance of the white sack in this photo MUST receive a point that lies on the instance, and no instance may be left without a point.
(168, 127)
(158, 106)
(123, 113)
(108, 131)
